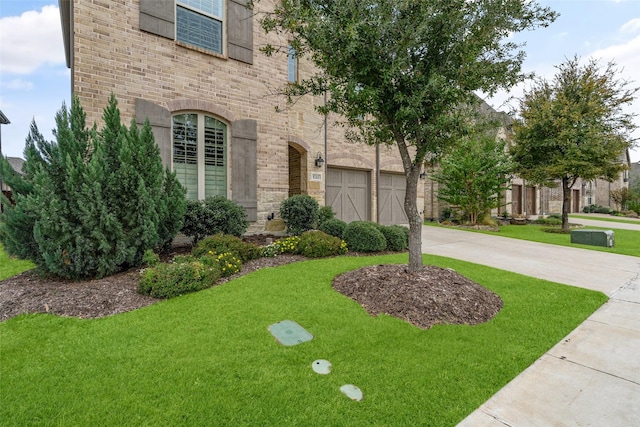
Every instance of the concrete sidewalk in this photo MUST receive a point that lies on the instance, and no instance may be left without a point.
(590, 378)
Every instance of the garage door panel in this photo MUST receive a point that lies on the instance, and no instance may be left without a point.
(392, 193)
(348, 193)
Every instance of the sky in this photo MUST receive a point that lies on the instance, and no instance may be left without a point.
(35, 82)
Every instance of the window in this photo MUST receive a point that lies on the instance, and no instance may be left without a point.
(200, 154)
(292, 64)
(199, 23)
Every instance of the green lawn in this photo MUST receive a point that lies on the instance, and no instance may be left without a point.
(11, 266)
(208, 359)
(627, 242)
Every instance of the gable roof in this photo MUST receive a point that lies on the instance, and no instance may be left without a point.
(16, 163)
(3, 119)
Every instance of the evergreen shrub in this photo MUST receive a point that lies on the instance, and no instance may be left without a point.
(221, 243)
(325, 213)
(300, 213)
(396, 238)
(212, 216)
(317, 244)
(150, 258)
(334, 227)
(548, 221)
(175, 279)
(92, 202)
(364, 236)
(597, 209)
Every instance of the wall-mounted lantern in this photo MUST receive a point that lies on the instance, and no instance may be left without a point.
(319, 161)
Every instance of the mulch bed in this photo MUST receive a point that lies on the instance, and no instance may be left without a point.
(432, 296)
(429, 297)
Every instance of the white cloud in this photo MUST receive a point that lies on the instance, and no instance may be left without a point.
(31, 40)
(18, 84)
(627, 58)
(625, 55)
(631, 26)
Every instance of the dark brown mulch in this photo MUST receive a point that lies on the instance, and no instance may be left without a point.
(432, 296)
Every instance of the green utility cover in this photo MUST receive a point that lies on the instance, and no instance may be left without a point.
(289, 333)
(603, 238)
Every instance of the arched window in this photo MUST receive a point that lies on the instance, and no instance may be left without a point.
(200, 154)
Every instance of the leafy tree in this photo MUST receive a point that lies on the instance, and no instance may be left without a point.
(91, 203)
(397, 70)
(574, 127)
(621, 197)
(634, 180)
(473, 175)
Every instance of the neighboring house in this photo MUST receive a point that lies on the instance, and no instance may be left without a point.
(194, 69)
(433, 207)
(522, 198)
(3, 121)
(16, 163)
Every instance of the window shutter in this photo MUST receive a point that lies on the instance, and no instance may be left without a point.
(158, 17)
(240, 31)
(244, 166)
(160, 121)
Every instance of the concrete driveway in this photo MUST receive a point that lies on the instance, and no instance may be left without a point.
(590, 378)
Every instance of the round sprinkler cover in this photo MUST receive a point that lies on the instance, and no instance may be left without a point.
(352, 392)
(321, 366)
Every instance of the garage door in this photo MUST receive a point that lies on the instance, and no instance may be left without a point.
(348, 194)
(392, 190)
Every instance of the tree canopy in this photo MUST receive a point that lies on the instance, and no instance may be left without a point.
(474, 174)
(397, 71)
(574, 127)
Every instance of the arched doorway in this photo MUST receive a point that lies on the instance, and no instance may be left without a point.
(297, 170)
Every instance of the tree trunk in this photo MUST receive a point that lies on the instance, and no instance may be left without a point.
(415, 221)
(566, 203)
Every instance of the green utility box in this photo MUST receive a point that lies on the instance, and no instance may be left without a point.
(593, 237)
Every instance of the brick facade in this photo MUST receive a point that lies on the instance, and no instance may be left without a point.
(109, 53)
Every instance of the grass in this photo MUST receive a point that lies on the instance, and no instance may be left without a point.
(208, 359)
(606, 219)
(626, 241)
(12, 266)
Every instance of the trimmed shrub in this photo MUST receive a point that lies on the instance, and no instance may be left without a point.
(405, 233)
(300, 213)
(317, 244)
(397, 240)
(172, 280)
(221, 243)
(150, 258)
(325, 213)
(597, 209)
(548, 221)
(364, 236)
(212, 216)
(333, 227)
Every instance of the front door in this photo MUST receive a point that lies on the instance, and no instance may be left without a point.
(516, 200)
